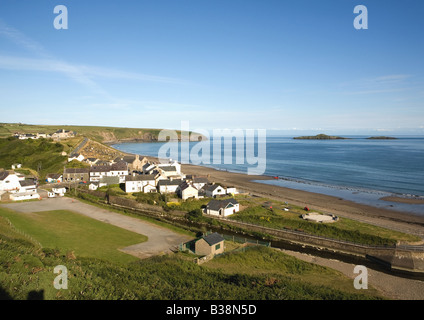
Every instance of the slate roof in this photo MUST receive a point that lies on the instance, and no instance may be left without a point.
(213, 238)
(100, 169)
(27, 183)
(211, 187)
(170, 183)
(119, 166)
(186, 185)
(4, 175)
(141, 177)
(168, 168)
(219, 204)
(76, 170)
(54, 176)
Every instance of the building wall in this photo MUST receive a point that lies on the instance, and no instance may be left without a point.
(189, 193)
(203, 248)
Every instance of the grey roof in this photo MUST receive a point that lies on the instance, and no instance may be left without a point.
(27, 183)
(168, 168)
(211, 187)
(219, 204)
(170, 183)
(129, 159)
(186, 185)
(76, 170)
(100, 168)
(4, 175)
(141, 177)
(54, 175)
(119, 166)
(213, 238)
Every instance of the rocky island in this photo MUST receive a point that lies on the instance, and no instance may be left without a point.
(381, 138)
(319, 137)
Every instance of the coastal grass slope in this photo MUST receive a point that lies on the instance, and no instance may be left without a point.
(102, 134)
(26, 271)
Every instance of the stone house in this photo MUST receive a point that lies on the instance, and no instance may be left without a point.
(211, 244)
(76, 174)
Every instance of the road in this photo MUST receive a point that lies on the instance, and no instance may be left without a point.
(160, 239)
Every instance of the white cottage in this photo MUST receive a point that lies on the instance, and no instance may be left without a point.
(214, 190)
(222, 208)
(9, 181)
(141, 183)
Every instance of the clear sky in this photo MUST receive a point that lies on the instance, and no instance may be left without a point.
(287, 65)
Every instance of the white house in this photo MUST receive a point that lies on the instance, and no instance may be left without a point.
(169, 186)
(54, 178)
(9, 181)
(148, 188)
(28, 186)
(19, 196)
(187, 191)
(16, 166)
(119, 169)
(199, 182)
(140, 183)
(59, 191)
(231, 190)
(93, 186)
(222, 208)
(97, 172)
(214, 190)
(75, 156)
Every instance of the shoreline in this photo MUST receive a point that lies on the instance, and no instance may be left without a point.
(396, 220)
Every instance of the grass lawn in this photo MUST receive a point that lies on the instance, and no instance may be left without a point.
(69, 231)
(275, 265)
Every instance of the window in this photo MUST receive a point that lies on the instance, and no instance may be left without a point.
(218, 246)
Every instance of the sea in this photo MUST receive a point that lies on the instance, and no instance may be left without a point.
(357, 169)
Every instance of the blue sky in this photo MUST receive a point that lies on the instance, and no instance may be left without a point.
(295, 66)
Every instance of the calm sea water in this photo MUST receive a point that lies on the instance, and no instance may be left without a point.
(356, 169)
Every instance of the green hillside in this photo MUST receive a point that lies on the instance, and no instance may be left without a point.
(100, 134)
(26, 271)
(39, 156)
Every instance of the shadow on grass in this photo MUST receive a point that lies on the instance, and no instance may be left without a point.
(32, 295)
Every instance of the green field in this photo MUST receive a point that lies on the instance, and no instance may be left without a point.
(26, 271)
(70, 231)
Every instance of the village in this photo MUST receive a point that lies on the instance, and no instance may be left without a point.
(132, 173)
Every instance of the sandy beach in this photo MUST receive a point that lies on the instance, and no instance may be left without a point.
(391, 219)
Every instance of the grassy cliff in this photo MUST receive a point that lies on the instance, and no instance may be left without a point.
(97, 133)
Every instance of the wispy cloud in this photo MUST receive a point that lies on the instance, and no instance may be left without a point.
(83, 74)
(376, 85)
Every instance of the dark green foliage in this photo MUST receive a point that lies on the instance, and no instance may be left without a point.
(40, 155)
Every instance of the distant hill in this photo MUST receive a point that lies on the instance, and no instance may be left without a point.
(319, 137)
(101, 134)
